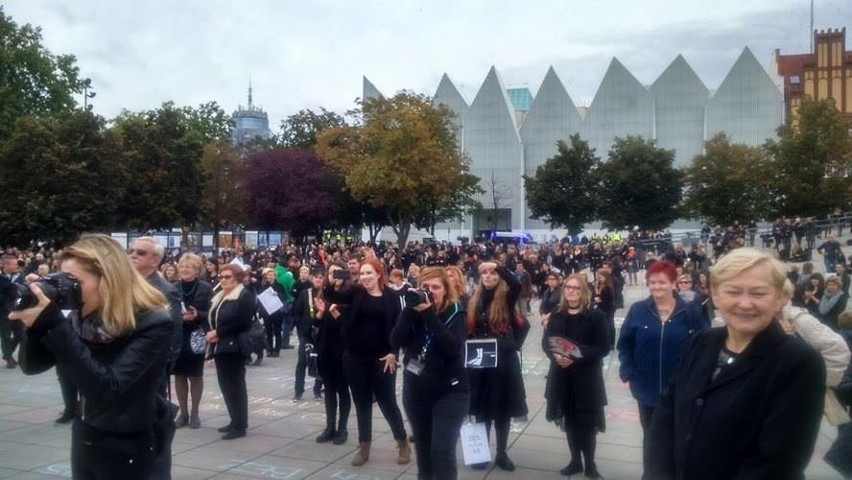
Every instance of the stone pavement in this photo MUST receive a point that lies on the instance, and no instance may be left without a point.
(281, 445)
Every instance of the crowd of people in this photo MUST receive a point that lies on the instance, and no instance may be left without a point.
(453, 319)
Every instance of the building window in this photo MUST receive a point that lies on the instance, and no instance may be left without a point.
(795, 80)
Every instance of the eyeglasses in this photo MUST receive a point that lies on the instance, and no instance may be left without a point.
(137, 251)
(685, 282)
(572, 288)
(226, 277)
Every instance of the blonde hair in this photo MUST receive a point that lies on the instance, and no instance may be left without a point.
(191, 259)
(835, 279)
(585, 292)
(451, 295)
(122, 289)
(458, 278)
(741, 259)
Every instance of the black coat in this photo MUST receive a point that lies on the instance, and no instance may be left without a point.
(118, 380)
(759, 419)
(232, 316)
(581, 385)
(174, 297)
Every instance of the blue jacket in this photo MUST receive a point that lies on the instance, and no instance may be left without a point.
(649, 350)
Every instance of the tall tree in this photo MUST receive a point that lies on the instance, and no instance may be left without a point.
(209, 121)
(564, 190)
(292, 189)
(59, 176)
(300, 130)
(33, 81)
(729, 182)
(223, 197)
(812, 158)
(639, 185)
(164, 153)
(400, 151)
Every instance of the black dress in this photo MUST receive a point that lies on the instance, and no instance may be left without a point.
(576, 395)
(194, 294)
(499, 392)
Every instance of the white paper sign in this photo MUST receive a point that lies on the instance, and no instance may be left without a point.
(270, 301)
(239, 263)
(474, 440)
(481, 353)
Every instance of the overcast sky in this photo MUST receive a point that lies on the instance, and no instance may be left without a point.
(306, 54)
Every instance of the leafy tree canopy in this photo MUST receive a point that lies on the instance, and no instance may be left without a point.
(812, 158)
(59, 177)
(33, 81)
(728, 183)
(639, 185)
(401, 152)
(564, 190)
(300, 130)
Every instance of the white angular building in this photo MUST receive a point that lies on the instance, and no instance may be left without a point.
(678, 111)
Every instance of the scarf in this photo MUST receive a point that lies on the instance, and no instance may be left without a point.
(828, 301)
(89, 328)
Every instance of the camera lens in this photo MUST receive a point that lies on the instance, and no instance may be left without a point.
(18, 297)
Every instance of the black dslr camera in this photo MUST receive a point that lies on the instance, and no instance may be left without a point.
(61, 288)
(416, 297)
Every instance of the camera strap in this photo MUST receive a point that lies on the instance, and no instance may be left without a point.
(429, 334)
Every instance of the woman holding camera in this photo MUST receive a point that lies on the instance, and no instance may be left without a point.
(497, 392)
(368, 358)
(329, 349)
(435, 390)
(230, 314)
(114, 348)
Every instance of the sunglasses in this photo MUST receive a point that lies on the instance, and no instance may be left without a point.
(137, 251)
(226, 277)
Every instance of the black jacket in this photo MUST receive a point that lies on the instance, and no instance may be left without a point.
(5, 284)
(117, 381)
(232, 316)
(302, 309)
(444, 369)
(758, 420)
(173, 296)
(353, 297)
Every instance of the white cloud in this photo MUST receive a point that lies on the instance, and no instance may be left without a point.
(307, 54)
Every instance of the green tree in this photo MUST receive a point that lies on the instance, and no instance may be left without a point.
(300, 130)
(401, 151)
(639, 185)
(812, 159)
(33, 81)
(564, 190)
(59, 177)
(209, 121)
(729, 182)
(164, 153)
(223, 197)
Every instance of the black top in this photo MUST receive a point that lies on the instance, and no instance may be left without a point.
(384, 311)
(370, 337)
(444, 336)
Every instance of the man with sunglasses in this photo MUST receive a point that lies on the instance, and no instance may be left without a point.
(146, 254)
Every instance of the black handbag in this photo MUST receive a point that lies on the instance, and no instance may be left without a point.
(253, 339)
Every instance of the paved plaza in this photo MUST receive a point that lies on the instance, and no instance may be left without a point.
(281, 440)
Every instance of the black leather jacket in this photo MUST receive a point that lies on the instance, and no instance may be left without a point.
(118, 380)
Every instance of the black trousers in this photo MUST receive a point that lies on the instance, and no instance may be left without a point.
(273, 325)
(69, 391)
(435, 421)
(302, 367)
(231, 372)
(336, 394)
(100, 455)
(645, 416)
(367, 380)
(10, 336)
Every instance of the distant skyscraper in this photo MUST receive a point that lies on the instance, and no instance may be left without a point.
(250, 123)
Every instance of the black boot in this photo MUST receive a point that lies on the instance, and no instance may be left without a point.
(502, 460)
(327, 435)
(589, 454)
(576, 465)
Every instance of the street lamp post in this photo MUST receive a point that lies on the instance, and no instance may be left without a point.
(87, 85)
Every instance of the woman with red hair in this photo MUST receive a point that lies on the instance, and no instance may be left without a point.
(497, 392)
(652, 338)
(369, 361)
